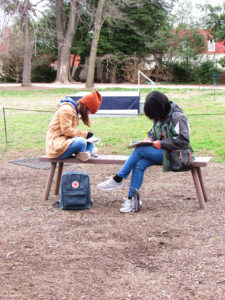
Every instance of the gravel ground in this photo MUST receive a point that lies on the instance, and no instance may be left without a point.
(169, 250)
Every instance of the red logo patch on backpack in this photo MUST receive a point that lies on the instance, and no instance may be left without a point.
(75, 184)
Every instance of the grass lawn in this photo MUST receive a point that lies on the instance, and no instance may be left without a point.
(27, 129)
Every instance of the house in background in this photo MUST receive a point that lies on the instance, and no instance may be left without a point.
(215, 50)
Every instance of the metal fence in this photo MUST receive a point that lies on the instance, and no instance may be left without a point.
(15, 136)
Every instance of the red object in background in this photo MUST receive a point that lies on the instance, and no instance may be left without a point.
(76, 60)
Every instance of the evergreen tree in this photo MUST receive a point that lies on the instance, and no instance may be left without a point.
(215, 21)
(135, 31)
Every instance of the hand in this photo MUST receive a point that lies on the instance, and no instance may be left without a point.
(156, 144)
(148, 139)
(89, 135)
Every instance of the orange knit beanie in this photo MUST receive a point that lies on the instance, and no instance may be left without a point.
(92, 101)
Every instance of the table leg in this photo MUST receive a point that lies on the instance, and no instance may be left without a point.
(198, 188)
(202, 184)
(59, 174)
(49, 182)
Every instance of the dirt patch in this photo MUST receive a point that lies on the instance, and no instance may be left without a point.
(169, 250)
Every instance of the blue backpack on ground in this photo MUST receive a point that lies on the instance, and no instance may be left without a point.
(75, 191)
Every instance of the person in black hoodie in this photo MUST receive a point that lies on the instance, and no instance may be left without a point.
(170, 131)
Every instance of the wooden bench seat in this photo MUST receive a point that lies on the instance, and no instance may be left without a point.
(120, 159)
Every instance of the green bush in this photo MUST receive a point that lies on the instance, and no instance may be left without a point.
(221, 77)
(43, 73)
(192, 72)
(181, 71)
(204, 72)
(222, 62)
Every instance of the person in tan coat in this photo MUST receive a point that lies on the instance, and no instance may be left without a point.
(63, 137)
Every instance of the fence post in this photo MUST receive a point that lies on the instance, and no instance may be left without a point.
(6, 139)
(214, 84)
(138, 82)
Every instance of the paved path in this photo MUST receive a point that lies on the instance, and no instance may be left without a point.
(80, 85)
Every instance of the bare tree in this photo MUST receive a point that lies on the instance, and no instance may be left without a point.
(65, 34)
(11, 54)
(94, 44)
(23, 12)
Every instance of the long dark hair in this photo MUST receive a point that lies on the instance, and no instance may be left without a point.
(156, 106)
(83, 111)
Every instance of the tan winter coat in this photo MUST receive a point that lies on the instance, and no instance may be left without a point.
(62, 129)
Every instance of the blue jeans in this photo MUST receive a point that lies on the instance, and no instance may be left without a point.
(78, 145)
(140, 159)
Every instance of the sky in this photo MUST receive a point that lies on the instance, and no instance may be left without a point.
(188, 11)
(194, 3)
(212, 2)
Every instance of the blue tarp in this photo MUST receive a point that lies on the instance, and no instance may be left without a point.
(115, 102)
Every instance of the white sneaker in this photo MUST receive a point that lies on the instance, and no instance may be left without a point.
(110, 184)
(126, 206)
(94, 152)
(83, 155)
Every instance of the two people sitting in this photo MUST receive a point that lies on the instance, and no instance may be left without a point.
(170, 131)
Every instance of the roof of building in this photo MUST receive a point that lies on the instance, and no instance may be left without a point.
(219, 46)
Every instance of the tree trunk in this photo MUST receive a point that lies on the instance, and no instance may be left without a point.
(99, 70)
(65, 36)
(113, 74)
(63, 65)
(27, 49)
(94, 44)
